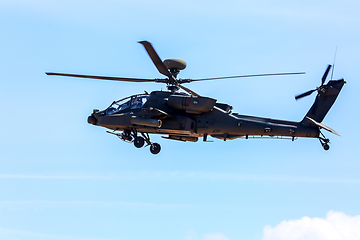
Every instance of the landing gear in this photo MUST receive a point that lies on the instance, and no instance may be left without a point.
(139, 142)
(131, 136)
(155, 148)
(324, 142)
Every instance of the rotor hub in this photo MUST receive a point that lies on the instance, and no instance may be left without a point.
(174, 72)
(173, 88)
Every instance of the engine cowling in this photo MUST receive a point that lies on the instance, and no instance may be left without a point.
(191, 104)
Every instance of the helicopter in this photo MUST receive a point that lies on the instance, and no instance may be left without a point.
(188, 116)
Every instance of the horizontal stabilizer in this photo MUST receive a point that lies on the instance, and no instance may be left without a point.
(320, 125)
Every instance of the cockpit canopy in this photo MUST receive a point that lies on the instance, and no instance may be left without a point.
(133, 102)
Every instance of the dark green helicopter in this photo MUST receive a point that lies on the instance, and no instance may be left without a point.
(188, 116)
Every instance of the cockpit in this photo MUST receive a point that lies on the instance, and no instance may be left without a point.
(133, 102)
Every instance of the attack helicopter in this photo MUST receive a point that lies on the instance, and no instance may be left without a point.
(188, 116)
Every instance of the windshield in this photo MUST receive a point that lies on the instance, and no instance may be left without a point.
(134, 102)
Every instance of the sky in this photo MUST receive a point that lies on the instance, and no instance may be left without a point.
(61, 178)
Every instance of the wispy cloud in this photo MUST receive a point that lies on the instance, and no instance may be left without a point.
(208, 236)
(41, 204)
(56, 177)
(12, 234)
(215, 236)
(182, 176)
(307, 11)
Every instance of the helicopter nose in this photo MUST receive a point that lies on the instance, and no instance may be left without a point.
(92, 120)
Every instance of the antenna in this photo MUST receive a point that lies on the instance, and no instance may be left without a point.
(332, 71)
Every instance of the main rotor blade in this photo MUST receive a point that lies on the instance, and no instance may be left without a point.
(325, 74)
(305, 94)
(157, 60)
(243, 76)
(102, 77)
(189, 91)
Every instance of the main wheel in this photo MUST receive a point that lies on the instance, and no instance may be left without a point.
(139, 142)
(155, 148)
(326, 147)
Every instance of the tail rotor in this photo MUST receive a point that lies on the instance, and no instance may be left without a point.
(320, 88)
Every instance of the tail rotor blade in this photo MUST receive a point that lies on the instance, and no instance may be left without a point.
(325, 74)
(305, 94)
(323, 79)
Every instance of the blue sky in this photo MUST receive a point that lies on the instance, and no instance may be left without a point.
(61, 178)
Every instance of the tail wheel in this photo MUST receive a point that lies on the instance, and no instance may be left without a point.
(324, 142)
(326, 147)
(139, 142)
(155, 148)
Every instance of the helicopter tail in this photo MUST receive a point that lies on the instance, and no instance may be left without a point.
(325, 98)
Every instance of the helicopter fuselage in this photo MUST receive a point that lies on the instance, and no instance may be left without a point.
(186, 118)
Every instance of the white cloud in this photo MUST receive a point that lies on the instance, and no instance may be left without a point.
(336, 226)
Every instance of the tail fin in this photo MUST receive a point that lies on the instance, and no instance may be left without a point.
(325, 98)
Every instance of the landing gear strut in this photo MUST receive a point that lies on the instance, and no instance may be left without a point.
(154, 147)
(324, 142)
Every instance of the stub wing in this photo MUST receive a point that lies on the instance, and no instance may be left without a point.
(323, 126)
